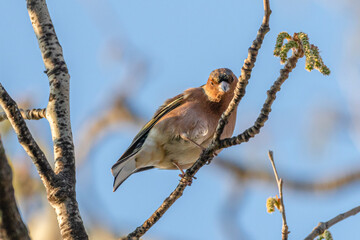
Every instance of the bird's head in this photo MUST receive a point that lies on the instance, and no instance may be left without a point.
(221, 83)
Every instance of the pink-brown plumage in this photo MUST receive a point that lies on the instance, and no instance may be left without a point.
(167, 140)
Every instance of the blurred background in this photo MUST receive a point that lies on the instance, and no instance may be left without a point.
(126, 57)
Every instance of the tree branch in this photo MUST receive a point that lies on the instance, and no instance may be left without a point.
(63, 197)
(266, 109)
(11, 225)
(208, 154)
(29, 114)
(334, 183)
(58, 108)
(322, 226)
(25, 138)
(279, 181)
(249, 64)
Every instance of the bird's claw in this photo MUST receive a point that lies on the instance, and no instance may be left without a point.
(186, 181)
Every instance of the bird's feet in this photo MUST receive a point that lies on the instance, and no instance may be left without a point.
(183, 179)
(186, 181)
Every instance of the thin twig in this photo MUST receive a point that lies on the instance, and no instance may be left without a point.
(279, 181)
(208, 154)
(11, 224)
(28, 114)
(322, 226)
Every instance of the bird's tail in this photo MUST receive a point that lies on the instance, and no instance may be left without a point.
(122, 170)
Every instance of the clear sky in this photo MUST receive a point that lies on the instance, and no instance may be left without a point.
(180, 42)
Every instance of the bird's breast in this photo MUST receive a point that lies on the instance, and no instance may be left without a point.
(161, 148)
(184, 153)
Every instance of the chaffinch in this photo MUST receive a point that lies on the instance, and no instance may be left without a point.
(180, 129)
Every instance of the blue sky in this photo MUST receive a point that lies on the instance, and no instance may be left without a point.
(181, 43)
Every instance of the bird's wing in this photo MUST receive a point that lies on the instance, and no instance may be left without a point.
(140, 138)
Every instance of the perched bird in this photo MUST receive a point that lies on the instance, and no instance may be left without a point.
(180, 129)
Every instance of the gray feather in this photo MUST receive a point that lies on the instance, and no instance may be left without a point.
(122, 171)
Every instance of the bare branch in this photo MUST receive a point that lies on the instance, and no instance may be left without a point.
(28, 114)
(63, 196)
(266, 109)
(25, 138)
(279, 181)
(322, 226)
(208, 154)
(249, 64)
(11, 225)
(57, 110)
(334, 183)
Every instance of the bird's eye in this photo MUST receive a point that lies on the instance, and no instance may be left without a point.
(212, 83)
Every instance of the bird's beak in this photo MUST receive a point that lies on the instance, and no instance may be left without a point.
(224, 87)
